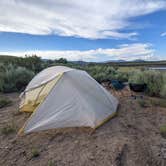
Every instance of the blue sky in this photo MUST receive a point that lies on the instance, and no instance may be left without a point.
(78, 30)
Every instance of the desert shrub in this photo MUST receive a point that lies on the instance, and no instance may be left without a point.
(163, 130)
(34, 152)
(101, 73)
(2, 71)
(31, 62)
(51, 163)
(4, 102)
(136, 76)
(122, 76)
(23, 77)
(8, 129)
(155, 81)
(99, 77)
(14, 78)
(163, 89)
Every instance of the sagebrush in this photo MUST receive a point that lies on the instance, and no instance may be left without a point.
(14, 78)
(155, 80)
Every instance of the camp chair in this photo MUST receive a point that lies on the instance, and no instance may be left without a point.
(137, 88)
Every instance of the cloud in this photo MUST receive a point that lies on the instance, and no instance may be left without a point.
(86, 19)
(163, 34)
(123, 52)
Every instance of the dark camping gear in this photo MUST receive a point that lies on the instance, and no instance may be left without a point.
(117, 85)
(137, 87)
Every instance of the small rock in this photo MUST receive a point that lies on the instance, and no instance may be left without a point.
(91, 157)
(76, 141)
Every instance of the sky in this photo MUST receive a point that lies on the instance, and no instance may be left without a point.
(98, 30)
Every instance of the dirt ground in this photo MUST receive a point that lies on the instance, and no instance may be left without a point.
(132, 138)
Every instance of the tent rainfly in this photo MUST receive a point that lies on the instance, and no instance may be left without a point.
(61, 97)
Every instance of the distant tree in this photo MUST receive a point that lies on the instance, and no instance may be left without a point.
(61, 60)
(33, 63)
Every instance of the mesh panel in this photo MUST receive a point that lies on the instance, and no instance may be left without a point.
(46, 75)
(34, 97)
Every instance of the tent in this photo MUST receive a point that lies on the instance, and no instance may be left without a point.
(61, 97)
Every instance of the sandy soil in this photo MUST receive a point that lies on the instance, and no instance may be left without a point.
(132, 138)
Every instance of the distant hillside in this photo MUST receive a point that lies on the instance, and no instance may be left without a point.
(119, 60)
(137, 62)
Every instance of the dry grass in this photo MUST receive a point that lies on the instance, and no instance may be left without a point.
(142, 103)
(5, 102)
(158, 103)
(163, 130)
(8, 129)
(51, 163)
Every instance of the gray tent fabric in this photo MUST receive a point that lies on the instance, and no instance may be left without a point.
(76, 100)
